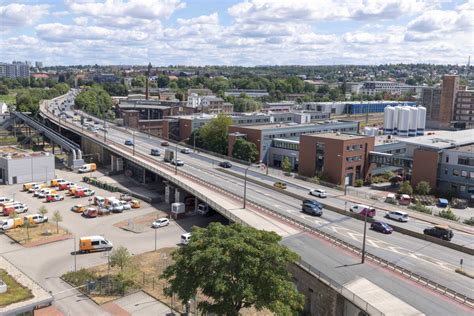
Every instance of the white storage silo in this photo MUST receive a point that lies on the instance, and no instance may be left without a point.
(403, 121)
(420, 128)
(395, 119)
(413, 121)
(388, 120)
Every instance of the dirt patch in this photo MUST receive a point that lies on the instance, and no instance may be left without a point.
(37, 235)
(141, 220)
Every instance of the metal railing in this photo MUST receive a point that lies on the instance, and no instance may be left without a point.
(120, 149)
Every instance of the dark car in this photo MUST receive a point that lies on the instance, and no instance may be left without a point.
(439, 231)
(312, 209)
(128, 142)
(165, 144)
(381, 227)
(155, 152)
(313, 202)
(225, 164)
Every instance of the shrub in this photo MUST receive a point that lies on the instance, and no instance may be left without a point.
(391, 201)
(406, 188)
(359, 183)
(449, 214)
(79, 277)
(423, 188)
(314, 180)
(469, 221)
(420, 208)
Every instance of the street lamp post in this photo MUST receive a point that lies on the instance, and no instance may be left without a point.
(176, 159)
(364, 238)
(133, 133)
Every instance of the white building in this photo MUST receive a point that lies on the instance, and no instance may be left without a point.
(374, 87)
(3, 108)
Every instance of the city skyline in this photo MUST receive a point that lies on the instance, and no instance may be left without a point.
(246, 33)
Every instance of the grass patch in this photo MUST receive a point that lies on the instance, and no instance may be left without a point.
(15, 291)
(465, 273)
(8, 99)
(36, 233)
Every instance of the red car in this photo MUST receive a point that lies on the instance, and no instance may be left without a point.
(165, 144)
(65, 186)
(84, 192)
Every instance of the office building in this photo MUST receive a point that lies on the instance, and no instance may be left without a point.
(20, 166)
(39, 64)
(215, 105)
(284, 106)
(339, 158)
(263, 135)
(464, 109)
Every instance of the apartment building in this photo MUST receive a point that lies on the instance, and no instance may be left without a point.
(374, 87)
(464, 109)
(17, 69)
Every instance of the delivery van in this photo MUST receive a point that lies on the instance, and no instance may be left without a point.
(185, 238)
(10, 223)
(94, 243)
(56, 182)
(109, 200)
(115, 206)
(27, 186)
(88, 167)
(73, 189)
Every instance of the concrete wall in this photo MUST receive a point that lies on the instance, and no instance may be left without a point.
(28, 169)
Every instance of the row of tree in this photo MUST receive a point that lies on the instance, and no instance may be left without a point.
(27, 100)
(95, 101)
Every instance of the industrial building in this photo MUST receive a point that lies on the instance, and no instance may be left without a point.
(404, 120)
(269, 136)
(374, 87)
(351, 107)
(20, 166)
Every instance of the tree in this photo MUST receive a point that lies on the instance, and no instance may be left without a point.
(4, 89)
(406, 188)
(245, 150)
(286, 164)
(27, 225)
(43, 211)
(120, 257)
(236, 267)
(138, 82)
(423, 188)
(57, 217)
(214, 133)
(449, 214)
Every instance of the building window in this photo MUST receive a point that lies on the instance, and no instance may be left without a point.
(456, 172)
(462, 188)
(445, 170)
(447, 158)
(471, 174)
(464, 173)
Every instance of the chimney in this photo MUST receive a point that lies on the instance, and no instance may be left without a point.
(147, 81)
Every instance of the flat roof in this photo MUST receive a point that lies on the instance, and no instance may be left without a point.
(339, 136)
(290, 125)
(465, 149)
(13, 152)
(442, 139)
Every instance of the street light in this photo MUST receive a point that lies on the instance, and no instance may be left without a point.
(365, 231)
(245, 180)
(133, 142)
(345, 177)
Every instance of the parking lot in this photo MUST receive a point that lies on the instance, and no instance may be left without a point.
(45, 263)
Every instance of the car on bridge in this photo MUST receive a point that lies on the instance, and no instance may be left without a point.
(164, 144)
(185, 151)
(363, 210)
(397, 215)
(225, 164)
(177, 162)
(439, 231)
(382, 227)
(128, 142)
(280, 185)
(155, 152)
(318, 192)
(312, 207)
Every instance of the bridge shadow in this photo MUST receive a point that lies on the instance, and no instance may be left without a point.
(348, 265)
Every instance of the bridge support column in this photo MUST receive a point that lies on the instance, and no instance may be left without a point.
(170, 194)
(179, 195)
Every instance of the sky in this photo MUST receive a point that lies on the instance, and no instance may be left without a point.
(236, 32)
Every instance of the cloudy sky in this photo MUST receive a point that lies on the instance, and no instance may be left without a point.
(236, 32)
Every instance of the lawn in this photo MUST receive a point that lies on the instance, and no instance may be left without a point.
(8, 99)
(36, 233)
(15, 291)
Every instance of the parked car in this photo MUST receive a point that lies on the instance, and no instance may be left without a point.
(185, 151)
(363, 210)
(280, 185)
(115, 206)
(443, 202)
(90, 212)
(94, 243)
(36, 218)
(36, 186)
(84, 192)
(177, 162)
(318, 192)
(225, 164)
(19, 207)
(381, 227)
(54, 197)
(164, 144)
(128, 142)
(439, 231)
(10, 223)
(397, 215)
(161, 222)
(65, 186)
(126, 205)
(135, 203)
(155, 152)
(5, 199)
(43, 193)
(78, 208)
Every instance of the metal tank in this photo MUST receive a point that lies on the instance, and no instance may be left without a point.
(403, 121)
(413, 121)
(421, 118)
(388, 120)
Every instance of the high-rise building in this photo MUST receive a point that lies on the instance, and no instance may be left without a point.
(17, 69)
(39, 64)
(448, 97)
(464, 109)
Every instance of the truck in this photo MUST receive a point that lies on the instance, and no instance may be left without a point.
(94, 243)
(88, 167)
(169, 155)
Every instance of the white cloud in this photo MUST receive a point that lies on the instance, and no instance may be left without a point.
(16, 14)
(203, 19)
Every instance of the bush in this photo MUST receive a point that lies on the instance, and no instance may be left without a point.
(406, 188)
(449, 214)
(314, 180)
(359, 183)
(423, 188)
(420, 208)
(79, 277)
(469, 221)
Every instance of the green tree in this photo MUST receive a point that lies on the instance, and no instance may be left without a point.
(43, 211)
(27, 225)
(57, 217)
(449, 214)
(162, 81)
(214, 134)
(406, 188)
(423, 188)
(138, 82)
(245, 150)
(286, 165)
(4, 89)
(95, 101)
(236, 267)
(120, 257)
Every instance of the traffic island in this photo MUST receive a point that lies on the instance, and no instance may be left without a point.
(38, 234)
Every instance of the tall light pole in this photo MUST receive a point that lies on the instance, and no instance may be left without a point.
(365, 231)
(133, 141)
(176, 159)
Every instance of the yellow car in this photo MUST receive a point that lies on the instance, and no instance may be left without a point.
(280, 185)
(78, 208)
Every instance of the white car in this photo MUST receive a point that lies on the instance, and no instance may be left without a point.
(126, 205)
(397, 215)
(161, 222)
(36, 218)
(319, 193)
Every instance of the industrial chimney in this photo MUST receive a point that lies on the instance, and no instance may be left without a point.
(146, 81)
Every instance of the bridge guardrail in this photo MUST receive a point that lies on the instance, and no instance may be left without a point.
(458, 297)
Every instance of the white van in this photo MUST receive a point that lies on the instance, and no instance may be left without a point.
(185, 238)
(115, 206)
(5, 199)
(94, 243)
